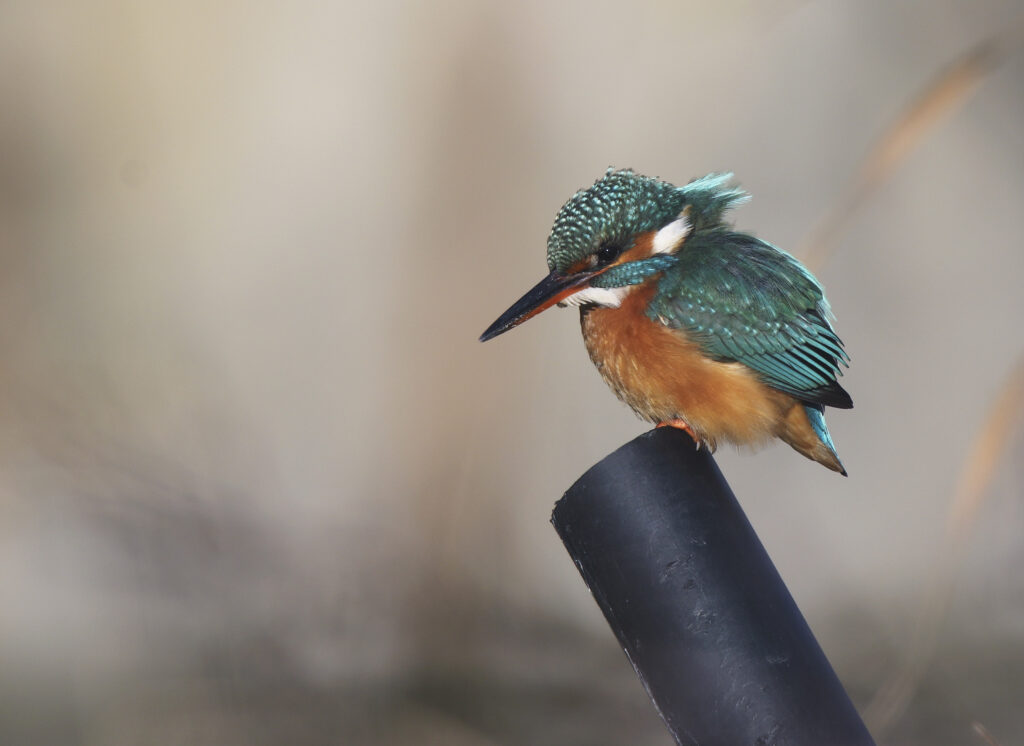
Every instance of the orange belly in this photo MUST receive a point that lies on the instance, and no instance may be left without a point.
(663, 375)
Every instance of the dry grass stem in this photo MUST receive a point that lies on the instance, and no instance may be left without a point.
(983, 459)
(939, 100)
(984, 734)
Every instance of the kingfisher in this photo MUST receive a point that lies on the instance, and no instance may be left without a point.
(691, 323)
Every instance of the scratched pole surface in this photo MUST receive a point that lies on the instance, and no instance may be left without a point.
(697, 604)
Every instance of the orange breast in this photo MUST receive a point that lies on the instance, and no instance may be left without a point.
(663, 375)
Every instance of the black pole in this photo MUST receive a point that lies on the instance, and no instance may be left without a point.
(696, 603)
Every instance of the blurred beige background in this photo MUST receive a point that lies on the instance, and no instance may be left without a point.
(259, 483)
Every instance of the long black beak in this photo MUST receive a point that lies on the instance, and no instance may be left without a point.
(544, 294)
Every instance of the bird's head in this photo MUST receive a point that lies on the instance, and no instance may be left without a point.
(614, 235)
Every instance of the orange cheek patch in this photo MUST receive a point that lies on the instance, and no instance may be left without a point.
(641, 249)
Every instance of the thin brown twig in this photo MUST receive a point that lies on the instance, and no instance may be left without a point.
(944, 96)
(980, 467)
(986, 452)
(947, 92)
(982, 731)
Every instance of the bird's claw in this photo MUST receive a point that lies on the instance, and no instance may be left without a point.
(685, 427)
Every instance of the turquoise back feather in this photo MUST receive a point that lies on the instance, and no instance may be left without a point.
(744, 300)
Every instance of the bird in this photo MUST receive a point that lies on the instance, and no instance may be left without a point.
(692, 323)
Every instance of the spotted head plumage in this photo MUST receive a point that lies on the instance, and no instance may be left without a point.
(617, 233)
(623, 204)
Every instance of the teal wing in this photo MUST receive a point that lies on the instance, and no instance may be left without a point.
(743, 300)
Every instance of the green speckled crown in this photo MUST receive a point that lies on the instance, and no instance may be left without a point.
(622, 204)
(616, 207)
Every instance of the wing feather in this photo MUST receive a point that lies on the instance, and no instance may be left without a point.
(746, 301)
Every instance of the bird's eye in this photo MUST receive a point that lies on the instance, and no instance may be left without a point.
(609, 252)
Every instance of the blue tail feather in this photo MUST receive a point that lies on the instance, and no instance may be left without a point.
(816, 415)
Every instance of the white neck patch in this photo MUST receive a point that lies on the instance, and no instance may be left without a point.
(607, 297)
(666, 241)
(670, 238)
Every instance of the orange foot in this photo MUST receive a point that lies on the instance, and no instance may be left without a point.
(681, 425)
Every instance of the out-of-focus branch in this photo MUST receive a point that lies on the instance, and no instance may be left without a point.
(942, 98)
(939, 100)
(988, 449)
(945, 95)
(990, 444)
(984, 734)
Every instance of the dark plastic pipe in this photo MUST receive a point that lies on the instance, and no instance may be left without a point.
(690, 592)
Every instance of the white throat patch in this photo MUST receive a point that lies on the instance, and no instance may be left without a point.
(668, 240)
(607, 297)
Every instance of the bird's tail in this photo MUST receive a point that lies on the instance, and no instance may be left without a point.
(806, 431)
